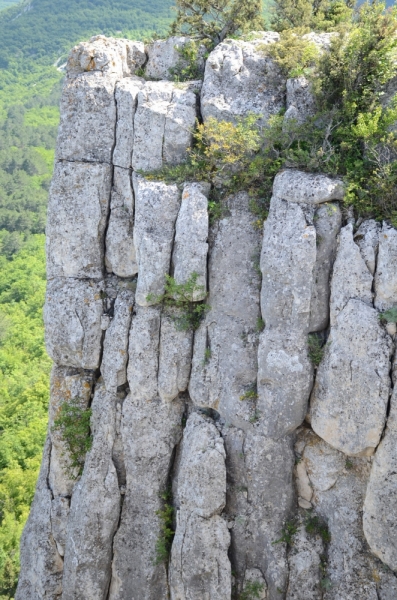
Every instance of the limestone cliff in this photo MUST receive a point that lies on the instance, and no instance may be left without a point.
(283, 473)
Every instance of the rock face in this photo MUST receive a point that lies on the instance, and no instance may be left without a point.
(250, 456)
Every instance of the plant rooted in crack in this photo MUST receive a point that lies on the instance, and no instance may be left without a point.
(314, 525)
(73, 424)
(182, 297)
(252, 590)
(167, 533)
(316, 349)
(287, 533)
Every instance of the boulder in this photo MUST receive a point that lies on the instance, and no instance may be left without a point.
(72, 319)
(116, 56)
(301, 104)
(77, 217)
(200, 566)
(386, 270)
(292, 185)
(367, 239)
(88, 118)
(120, 257)
(164, 56)
(163, 125)
(115, 345)
(156, 209)
(351, 392)
(190, 248)
(240, 79)
(351, 277)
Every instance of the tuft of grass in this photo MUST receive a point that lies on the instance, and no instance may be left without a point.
(287, 533)
(182, 296)
(389, 316)
(251, 393)
(314, 525)
(252, 590)
(316, 349)
(73, 423)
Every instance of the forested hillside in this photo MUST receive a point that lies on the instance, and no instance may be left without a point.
(33, 36)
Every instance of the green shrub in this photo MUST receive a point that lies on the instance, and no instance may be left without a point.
(294, 55)
(73, 423)
(167, 533)
(390, 315)
(287, 533)
(188, 67)
(182, 297)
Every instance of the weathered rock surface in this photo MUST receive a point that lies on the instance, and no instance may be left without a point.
(126, 95)
(175, 358)
(386, 271)
(150, 431)
(327, 221)
(351, 277)
(120, 256)
(107, 55)
(163, 124)
(379, 517)
(200, 567)
(115, 346)
(367, 239)
(77, 216)
(224, 364)
(88, 118)
(164, 56)
(292, 185)
(300, 100)
(41, 564)
(92, 524)
(304, 561)
(348, 570)
(156, 209)
(350, 396)
(240, 79)
(191, 238)
(72, 318)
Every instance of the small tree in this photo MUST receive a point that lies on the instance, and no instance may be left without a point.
(213, 20)
(318, 15)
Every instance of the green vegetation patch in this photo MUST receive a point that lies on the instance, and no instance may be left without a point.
(43, 115)
(73, 424)
(167, 532)
(252, 590)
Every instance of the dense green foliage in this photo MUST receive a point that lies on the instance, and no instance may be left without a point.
(167, 532)
(24, 372)
(73, 423)
(214, 20)
(33, 36)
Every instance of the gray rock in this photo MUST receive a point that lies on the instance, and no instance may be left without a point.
(41, 564)
(126, 102)
(224, 365)
(304, 561)
(77, 216)
(386, 270)
(88, 118)
(114, 56)
(288, 259)
(367, 239)
(349, 571)
(72, 319)
(164, 123)
(150, 432)
(120, 257)
(67, 385)
(285, 379)
(351, 277)
(240, 79)
(191, 234)
(254, 576)
(156, 210)
(199, 566)
(379, 518)
(174, 363)
(60, 508)
(166, 55)
(143, 352)
(351, 392)
(308, 188)
(115, 346)
(94, 510)
(327, 221)
(300, 100)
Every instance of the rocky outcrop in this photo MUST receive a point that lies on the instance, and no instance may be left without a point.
(250, 456)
